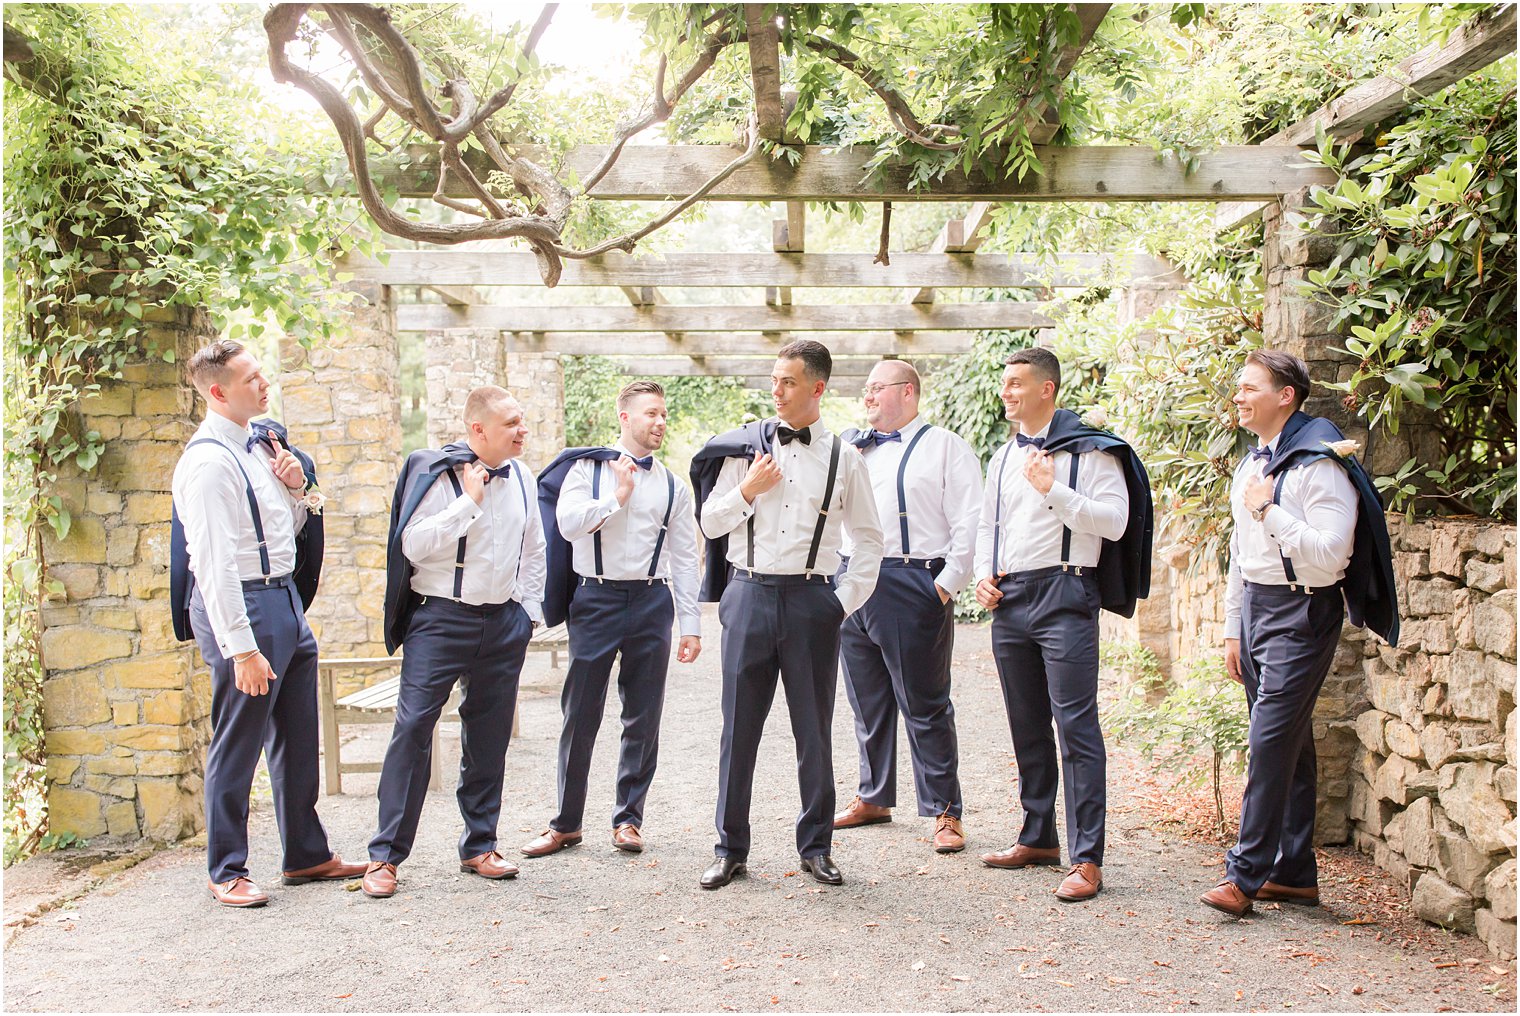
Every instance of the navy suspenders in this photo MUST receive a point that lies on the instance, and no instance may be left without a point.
(823, 514)
(997, 524)
(459, 555)
(253, 503)
(1277, 488)
(902, 494)
(659, 540)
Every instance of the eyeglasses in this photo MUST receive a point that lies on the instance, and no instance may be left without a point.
(876, 389)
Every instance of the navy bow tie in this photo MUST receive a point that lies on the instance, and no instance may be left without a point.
(498, 474)
(1262, 452)
(880, 438)
(256, 439)
(1038, 442)
(647, 462)
(787, 435)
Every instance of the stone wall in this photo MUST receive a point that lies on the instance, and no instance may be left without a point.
(1433, 786)
(342, 405)
(125, 706)
(459, 360)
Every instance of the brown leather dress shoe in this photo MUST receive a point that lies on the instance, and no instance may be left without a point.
(379, 880)
(1227, 897)
(949, 837)
(329, 870)
(859, 813)
(489, 865)
(626, 837)
(1020, 856)
(238, 892)
(1081, 883)
(550, 841)
(1304, 896)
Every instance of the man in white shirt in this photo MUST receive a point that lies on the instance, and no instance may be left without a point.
(785, 513)
(1044, 519)
(467, 547)
(633, 536)
(895, 650)
(241, 510)
(1295, 512)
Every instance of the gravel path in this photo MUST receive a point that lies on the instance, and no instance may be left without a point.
(593, 929)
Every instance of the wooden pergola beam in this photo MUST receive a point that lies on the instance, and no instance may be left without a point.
(1091, 16)
(855, 367)
(765, 70)
(909, 345)
(788, 236)
(759, 269)
(959, 236)
(454, 296)
(799, 318)
(1469, 49)
(1081, 173)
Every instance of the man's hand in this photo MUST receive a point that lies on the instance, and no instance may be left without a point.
(1040, 470)
(473, 481)
(1232, 660)
(624, 469)
(252, 675)
(1258, 490)
(689, 649)
(988, 594)
(762, 476)
(286, 466)
(944, 597)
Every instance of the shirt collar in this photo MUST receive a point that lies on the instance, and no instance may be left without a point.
(913, 426)
(225, 428)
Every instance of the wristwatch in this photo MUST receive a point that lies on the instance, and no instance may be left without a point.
(1259, 513)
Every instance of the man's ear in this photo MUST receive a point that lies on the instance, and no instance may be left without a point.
(818, 388)
(214, 393)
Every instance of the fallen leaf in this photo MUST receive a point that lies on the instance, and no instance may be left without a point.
(349, 995)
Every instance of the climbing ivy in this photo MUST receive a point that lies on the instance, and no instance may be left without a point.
(130, 185)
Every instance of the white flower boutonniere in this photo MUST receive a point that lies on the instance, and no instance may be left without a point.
(313, 500)
(1345, 449)
(1096, 418)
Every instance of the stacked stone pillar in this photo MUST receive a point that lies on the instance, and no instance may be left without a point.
(125, 706)
(342, 405)
(459, 360)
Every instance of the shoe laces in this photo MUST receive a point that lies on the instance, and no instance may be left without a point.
(945, 821)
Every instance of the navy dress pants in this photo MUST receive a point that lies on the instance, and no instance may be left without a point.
(1045, 643)
(481, 648)
(786, 625)
(607, 618)
(895, 653)
(1288, 643)
(282, 724)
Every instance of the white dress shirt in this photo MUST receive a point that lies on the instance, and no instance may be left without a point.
(786, 515)
(212, 500)
(1313, 523)
(1032, 523)
(943, 495)
(629, 531)
(501, 561)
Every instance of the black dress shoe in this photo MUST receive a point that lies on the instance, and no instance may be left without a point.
(722, 872)
(823, 869)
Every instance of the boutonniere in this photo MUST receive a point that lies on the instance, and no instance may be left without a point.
(1344, 448)
(313, 500)
(1096, 418)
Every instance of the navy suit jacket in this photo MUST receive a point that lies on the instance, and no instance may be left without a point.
(559, 584)
(741, 443)
(1124, 565)
(309, 544)
(422, 469)
(1371, 598)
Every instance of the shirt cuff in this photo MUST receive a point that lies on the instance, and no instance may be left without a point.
(1232, 627)
(691, 625)
(237, 642)
(466, 510)
(535, 610)
(951, 580)
(1058, 500)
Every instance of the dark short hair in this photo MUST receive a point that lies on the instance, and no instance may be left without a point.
(1042, 360)
(1287, 371)
(208, 366)
(814, 356)
(634, 389)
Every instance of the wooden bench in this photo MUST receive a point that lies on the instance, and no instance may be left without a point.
(377, 704)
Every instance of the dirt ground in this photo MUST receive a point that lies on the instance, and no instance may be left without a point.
(592, 929)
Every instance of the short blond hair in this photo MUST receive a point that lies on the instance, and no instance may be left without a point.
(485, 400)
(634, 389)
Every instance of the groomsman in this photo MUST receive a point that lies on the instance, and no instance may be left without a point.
(1310, 544)
(896, 649)
(464, 584)
(238, 507)
(784, 513)
(633, 534)
(1064, 531)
